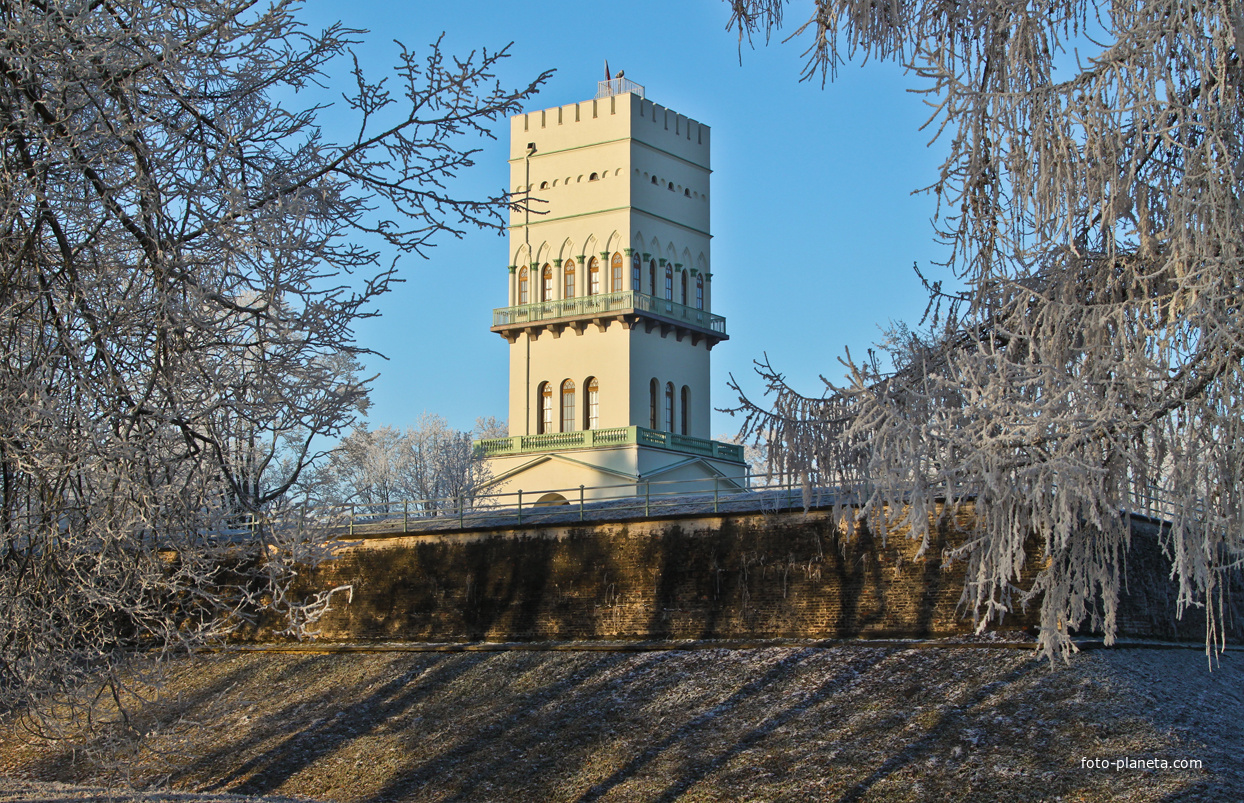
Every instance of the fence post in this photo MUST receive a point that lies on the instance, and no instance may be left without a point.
(351, 520)
(647, 496)
(460, 513)
(520, 505)
(716, 485)
(406, 515)
(580, 503)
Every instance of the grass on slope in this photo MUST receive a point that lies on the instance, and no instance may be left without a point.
(850, 722)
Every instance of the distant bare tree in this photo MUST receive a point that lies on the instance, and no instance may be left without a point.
(1094, 360)
(446, 466)
(756, 456)
(489, 427)
(175, 321)
(431, 465)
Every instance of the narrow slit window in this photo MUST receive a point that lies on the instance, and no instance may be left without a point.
(568, 406)
(669, 407)
(544, 408)
(615, 273)
(593, 404)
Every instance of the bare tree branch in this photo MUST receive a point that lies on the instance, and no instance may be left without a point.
(176, 334)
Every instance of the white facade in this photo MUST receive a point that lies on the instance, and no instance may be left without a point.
(609, 319)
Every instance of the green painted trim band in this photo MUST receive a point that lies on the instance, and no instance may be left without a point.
(607, 211)
(538, 153)
(569, 217)
(671, 222)
(648, 145)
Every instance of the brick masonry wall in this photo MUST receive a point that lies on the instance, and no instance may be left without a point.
(776, 575)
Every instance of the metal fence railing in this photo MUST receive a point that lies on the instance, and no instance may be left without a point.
(582, 503)
(618, 86)
(620, 301)
(615, 502)
(644, 499)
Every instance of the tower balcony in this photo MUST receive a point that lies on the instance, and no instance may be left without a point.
(610, 438)
(628, 307)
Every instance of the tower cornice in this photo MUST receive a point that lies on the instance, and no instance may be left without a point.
(632, 208)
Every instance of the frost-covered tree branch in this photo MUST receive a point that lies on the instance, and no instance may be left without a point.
(178, 293)
(1095, 359)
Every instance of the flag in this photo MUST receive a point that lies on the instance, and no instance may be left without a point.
(608, 77)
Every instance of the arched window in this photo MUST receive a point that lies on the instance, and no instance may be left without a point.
(615, 273)
(652, 404)
(568, 279)
(591, 417)
(637, 273)
(686, 410)
(544, 408)
(522, 285)
(699, 292)
(654, 179)
(669, 282)
(669, 406)
(687, 192)
(568, 406)
(546, 283)
(671, 186)
(683, 281)
(652, 277)
(594, 177)
(544, 185)
(593, 277)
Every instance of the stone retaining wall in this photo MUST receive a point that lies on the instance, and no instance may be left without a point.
(774, 575)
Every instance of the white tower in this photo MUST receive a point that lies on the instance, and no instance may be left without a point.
(610, 294)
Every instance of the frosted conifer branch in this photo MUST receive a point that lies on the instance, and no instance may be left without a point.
(1093, 367)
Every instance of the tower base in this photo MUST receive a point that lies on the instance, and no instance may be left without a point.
(612, 464)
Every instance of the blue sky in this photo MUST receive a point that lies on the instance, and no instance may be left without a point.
(815, 227)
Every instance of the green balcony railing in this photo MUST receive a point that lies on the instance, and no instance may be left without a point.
(617, 436)
(605, 304)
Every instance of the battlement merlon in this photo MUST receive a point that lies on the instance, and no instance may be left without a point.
(602, 121)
